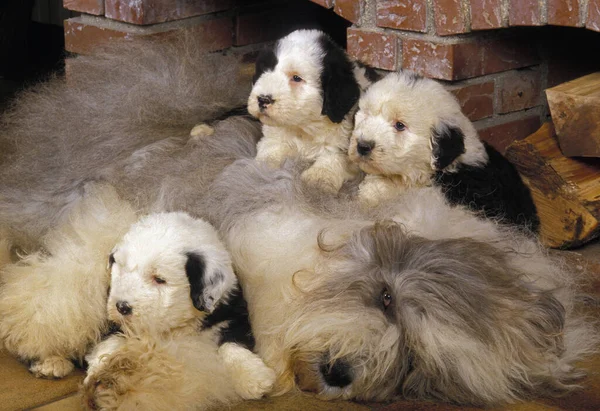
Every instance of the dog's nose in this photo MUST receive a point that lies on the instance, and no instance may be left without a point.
(364, 148)
(338, 374)
(264, 101)
(124, 308)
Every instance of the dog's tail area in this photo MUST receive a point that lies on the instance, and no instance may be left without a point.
(68, 131)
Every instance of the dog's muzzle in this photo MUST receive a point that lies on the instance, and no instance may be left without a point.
(338, 374)
(264, 101)
(364, 148)
(124, 308)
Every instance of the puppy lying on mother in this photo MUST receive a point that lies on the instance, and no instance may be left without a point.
(171, 354)
(410, 132)
(305, 93)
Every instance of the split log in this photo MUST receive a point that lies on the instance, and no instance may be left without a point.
(566, 191)
(575, 109)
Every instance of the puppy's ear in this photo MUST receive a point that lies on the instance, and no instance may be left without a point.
(206, 288)
(195, 269)
(340, 88)
(266, 60)
(447, 143)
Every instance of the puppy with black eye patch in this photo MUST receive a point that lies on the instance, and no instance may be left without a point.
(186, 340)
(305, 93)
(410, 132)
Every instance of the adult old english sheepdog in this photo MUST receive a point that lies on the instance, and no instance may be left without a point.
(305, 93)
(186, 338)
(410, 132)
(411, 299)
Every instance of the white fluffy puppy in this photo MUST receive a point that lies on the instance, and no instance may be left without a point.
(305, 92)
(410, 132)
(186, 336)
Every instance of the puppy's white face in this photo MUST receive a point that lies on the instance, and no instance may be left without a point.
(396, 127)
(288, 92)
(168, 269)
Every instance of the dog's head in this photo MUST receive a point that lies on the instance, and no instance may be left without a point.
(387, 315)
(304, 78)
(168, 270)
(412, 126)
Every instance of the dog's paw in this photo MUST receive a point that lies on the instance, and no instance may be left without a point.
(52, 367)
(252, 379)
(200, 131)
(322, 179)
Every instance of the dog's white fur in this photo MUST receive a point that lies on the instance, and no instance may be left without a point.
(163, 343)
(294, 124)
(404, 159)
(52, 301)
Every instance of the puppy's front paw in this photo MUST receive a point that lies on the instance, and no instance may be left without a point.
(200, 131)
(322, 179)
(252, 379)
(51, 367)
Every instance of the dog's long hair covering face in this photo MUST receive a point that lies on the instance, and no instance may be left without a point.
(351, 308)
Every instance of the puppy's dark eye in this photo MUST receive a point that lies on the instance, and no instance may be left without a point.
(386, 298)
(400, 126)
(158, 280)
(297, 79)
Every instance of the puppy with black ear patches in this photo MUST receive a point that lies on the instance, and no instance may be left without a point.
(186, 340)
(305, 93)
(410, 132)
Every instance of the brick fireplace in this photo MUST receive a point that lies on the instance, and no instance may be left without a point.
(497, 56)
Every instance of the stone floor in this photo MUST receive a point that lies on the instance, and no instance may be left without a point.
(19, 390)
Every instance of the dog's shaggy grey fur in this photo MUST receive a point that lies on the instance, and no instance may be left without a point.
(117, 118)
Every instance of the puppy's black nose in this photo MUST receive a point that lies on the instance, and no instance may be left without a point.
(338, 374)
(264, 101)
(364, 148)
(124, 308)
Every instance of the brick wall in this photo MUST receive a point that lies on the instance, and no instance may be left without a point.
(497, 56)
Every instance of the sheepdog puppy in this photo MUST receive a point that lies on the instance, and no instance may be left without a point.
(403, 301)
(410, 132)
(305, 93)
(186, 340)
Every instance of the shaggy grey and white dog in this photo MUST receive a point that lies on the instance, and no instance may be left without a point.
(305, 93)
(413, 298)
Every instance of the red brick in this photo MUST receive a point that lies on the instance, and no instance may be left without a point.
(85, 6)
(458, 61)
(158, 11)
(325, 3)
(486, 14)
(349, 9)
(403, 15)
(476, 100)
(519, 90)
(563, 13)
(593, 19)
(500, 136)
(449, 17)
(376, 49)
(525, 13)
(84, 34)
